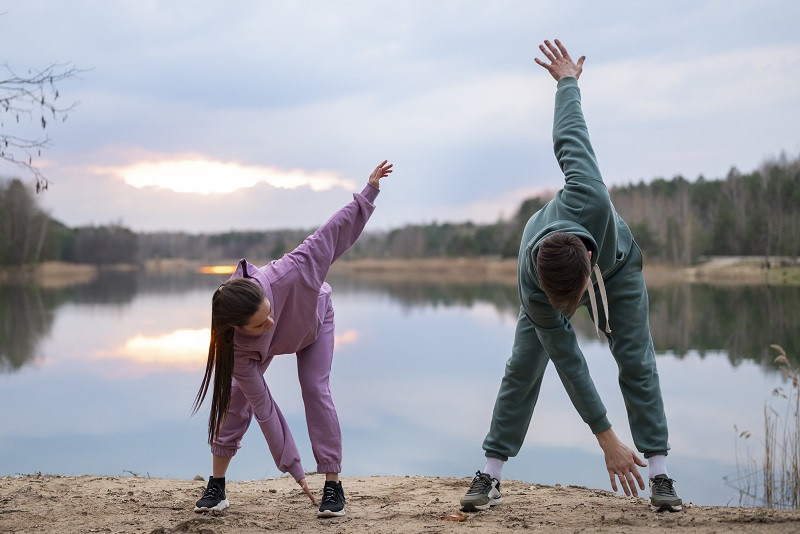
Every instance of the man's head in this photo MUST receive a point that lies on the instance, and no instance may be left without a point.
(564, 267)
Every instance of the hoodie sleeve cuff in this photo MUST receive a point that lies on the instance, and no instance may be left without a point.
(370, 192)
(569, 80)
(600, 425)
(296, 470)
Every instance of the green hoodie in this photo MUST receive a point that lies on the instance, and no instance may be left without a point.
(582, 208)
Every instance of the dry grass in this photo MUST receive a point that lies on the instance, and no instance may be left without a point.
(722, 271)
(177, 264)
(439, 270)
(50, 274)
(454, 270)
(741, 271)
(774, 481)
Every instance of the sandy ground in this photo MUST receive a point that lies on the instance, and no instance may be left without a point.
(38, 503)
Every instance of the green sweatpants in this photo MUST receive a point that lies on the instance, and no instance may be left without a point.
(632, 348)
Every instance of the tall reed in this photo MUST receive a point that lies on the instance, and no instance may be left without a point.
(774, 481)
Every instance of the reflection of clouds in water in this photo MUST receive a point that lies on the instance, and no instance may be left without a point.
(183, 349)
(455, 401)
(486, 311)
(347, 337)
(705, 397)
(180, 349)
(437, 404)
(414, 380)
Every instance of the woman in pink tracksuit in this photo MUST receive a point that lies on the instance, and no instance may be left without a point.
(283, 307)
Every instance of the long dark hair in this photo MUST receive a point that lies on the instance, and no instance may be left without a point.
(233, 303)
(563, 265)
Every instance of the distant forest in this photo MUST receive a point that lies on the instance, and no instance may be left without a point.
(674, 221)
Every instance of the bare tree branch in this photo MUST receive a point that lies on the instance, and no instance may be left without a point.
(33, 96)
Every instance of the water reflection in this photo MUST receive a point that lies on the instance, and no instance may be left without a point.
(179, 349)
(421, 293)
(25, 317)
(102, 376)
(27, 311)
(740, 321)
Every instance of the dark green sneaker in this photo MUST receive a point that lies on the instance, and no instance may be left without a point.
(663, 497)
(483, 493)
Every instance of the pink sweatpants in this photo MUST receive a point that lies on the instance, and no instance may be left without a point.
(313, 371)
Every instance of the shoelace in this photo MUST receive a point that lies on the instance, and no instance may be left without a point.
(480, 483)
(211, 492)
(329, 494)
(663, 486)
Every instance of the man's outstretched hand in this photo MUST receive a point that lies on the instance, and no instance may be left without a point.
(561, 65)
(621, 463)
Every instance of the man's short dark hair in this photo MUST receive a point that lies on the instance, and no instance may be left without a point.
(564, 267)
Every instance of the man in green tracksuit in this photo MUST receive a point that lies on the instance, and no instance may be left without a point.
(576, 251)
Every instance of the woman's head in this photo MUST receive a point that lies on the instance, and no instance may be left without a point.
(238, 303)
(563, 264)
(234, 304)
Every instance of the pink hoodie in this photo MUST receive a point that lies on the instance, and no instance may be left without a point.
(295, 286)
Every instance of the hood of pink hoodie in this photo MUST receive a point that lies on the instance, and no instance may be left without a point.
(243, 341)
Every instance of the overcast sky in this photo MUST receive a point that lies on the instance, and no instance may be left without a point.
(282, 109)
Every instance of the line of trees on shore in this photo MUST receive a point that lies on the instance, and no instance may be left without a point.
(674, 221)
(28, 235)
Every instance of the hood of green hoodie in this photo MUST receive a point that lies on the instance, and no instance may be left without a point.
(608, 258)
(530, 248)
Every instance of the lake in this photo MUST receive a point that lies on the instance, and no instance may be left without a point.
(99, 379)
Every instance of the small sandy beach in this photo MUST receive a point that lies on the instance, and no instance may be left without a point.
(40, 503)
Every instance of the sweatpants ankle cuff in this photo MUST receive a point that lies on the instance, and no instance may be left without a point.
(329, 468)
(224, 452)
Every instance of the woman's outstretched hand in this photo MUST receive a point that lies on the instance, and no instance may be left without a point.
(561, 65)
(381, 171)
(307, 491)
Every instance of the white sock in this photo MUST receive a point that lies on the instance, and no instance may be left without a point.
(657, 465)
(494, 467)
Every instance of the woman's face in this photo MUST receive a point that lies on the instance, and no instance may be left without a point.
(261, 321)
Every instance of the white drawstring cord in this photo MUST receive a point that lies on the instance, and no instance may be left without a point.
(604, 299)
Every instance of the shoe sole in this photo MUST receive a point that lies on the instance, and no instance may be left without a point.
(666, 508)
(471, 507)
(218, 508)
(330, 513)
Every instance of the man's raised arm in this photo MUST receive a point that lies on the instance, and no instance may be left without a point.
(570, 136)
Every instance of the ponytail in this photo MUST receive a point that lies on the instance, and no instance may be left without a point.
(232, 304)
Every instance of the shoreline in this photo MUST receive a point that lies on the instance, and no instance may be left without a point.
(715, 271)
(733, 270)
(375, 504)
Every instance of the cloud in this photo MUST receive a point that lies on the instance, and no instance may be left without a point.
(272, 89)
(82, 197)
(664, 88)
(200, 175)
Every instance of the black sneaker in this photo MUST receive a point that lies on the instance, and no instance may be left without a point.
(482, 494)
(332, 504)
(663, 497)
(214, 496)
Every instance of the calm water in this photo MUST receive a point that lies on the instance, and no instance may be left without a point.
(99, 379)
